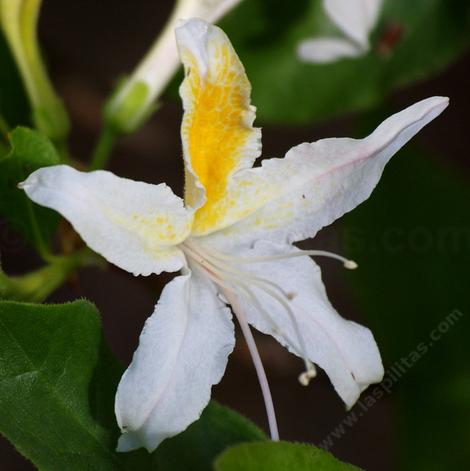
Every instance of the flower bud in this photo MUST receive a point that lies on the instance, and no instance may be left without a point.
(134, 99)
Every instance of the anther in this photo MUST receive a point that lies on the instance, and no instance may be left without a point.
(291, 295)
(308, 375)
(350, 264)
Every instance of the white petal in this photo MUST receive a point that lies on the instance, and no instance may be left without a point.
(134, 225)
(217, 129)
(183, 351)
(355, 18)
(324, 50)
(292, 198)
(345, 350)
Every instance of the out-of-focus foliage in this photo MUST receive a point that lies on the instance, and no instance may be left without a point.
(29, 150)
(280, 456)
(57, 397)
(412, 41)
(18, 21)
(14, 107)
(412, 242)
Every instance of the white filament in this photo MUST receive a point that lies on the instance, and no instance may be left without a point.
(349, 264)
(238, 277)
(254, 353)
(263, 380)
(310, 371)
(219, 267)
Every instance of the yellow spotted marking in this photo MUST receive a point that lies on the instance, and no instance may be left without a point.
(217, 132)
(157, 231)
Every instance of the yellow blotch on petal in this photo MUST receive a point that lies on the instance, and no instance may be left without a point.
(218, 136)
(158, 231)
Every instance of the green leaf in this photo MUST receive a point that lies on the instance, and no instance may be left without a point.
(57, 387)
(195, 449)
(32, 148)
(48, 359)
(29, 150)
(285, 90)
(412, 243)
(278, 456)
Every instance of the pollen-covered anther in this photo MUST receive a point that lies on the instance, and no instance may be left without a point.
(350, 264)
(308, 375)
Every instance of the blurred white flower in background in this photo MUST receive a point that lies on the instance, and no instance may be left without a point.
(135, 99)
(356, 19)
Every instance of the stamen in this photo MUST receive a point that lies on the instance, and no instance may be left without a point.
(306, 376)
(246, 276)
(255, 356)
(222, 271)
(310, 371)
(276, 328)
(301, 348)
(349, 264)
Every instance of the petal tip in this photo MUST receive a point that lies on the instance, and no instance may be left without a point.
(32, 181)
(133, 440)
(436, 103)
(431, 108)
(444, 101)
(190, 28)
(128, 441)
(191, 37)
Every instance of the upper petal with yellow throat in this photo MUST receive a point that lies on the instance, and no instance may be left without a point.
(217, 130)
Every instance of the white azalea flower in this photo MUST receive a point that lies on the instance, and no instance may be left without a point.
(232, 239)
(355, 18)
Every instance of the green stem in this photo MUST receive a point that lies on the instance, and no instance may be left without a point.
(63, 150)
(39, 242)
(38, 285)
(103, 148)
(19, 20)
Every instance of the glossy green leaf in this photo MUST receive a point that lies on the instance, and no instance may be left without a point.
(280, 456)
(58, 382)
(265, 33)
(53, 401)
(412, 243)
(29, 150)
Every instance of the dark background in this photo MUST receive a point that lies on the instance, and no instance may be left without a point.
(88, 44)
